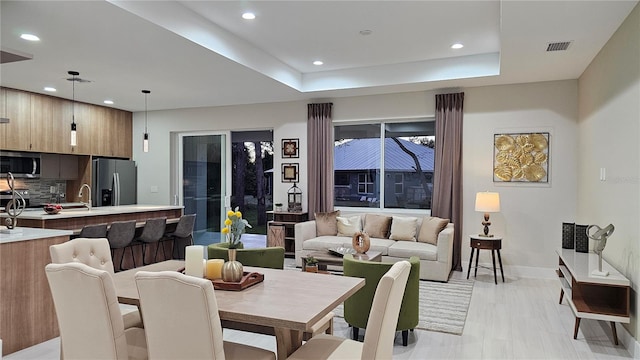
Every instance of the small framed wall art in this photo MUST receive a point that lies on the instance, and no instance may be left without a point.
(290, 173)
(521, 157)
(290, 148)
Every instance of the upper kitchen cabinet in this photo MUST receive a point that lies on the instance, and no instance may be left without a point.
(18, 130)
(3, 113)
(42, 125)
(111, 133)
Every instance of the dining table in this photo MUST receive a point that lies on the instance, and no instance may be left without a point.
(290, 302)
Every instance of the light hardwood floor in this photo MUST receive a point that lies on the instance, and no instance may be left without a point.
(518, 319)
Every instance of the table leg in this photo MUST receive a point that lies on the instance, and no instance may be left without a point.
(500, 261)
(475, 274)
(470, 262)
(287, 341)
(575, 328)
(493, 258)
(614, 333)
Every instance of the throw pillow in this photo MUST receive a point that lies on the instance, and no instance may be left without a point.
(347, 226)
(327, 223)
(403, 228)
(431, 227)
(377, 226)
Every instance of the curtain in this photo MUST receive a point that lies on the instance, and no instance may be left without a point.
(320, 158)
(447, 182)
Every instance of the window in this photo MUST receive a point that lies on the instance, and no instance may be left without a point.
(387, 165)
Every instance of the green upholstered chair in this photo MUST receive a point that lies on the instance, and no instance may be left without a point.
(358, 306)
(270, 257)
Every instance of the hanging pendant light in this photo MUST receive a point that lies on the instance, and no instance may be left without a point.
(74, 139)
(145, 139)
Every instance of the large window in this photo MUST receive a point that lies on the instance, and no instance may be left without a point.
(384, 165)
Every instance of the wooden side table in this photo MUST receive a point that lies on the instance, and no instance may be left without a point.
(486, 243)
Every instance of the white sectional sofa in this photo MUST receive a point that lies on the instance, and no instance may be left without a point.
(435, 259)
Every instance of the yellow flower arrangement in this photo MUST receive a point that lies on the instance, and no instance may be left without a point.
(235, 226)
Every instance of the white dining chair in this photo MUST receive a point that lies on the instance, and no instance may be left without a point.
(89, 317)
(97, 254)
(181, 319)
(381, 327)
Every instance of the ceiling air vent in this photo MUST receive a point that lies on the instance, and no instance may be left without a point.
(558, 46)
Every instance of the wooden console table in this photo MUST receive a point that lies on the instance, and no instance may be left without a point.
(593, 297)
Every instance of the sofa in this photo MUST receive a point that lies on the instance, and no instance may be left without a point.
(396, 236)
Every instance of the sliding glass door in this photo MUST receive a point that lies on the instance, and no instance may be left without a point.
(203, 182)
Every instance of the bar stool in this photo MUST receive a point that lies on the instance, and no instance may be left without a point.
(94, 231)
(120, 236)
(184, 231)
(152, 232)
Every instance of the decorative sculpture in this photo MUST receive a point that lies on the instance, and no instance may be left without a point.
(600, 236)
(14, 207)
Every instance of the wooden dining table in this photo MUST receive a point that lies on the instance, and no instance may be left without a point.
(290, 302)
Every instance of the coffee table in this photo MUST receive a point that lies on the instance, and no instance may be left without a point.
(326, 258)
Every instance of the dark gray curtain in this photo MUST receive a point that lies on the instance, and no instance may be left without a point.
(320, 158)
(447, 182)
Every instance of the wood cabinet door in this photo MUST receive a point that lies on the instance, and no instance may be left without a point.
(3, 113)
(18, 130)
(41, 123)
(122, 143)
(83, 128)
(61, 119)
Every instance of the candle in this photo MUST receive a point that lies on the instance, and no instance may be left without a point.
(214, 269)
(194, 260)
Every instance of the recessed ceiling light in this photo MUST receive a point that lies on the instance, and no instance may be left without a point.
(29, 37)
(365, 32)
(108, 102)
(318, 63)
(49, 88)
(248, 16)
(457, 46)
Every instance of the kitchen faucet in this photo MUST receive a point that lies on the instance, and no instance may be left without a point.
(88, 204)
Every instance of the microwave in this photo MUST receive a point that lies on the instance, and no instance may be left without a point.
(20, 164)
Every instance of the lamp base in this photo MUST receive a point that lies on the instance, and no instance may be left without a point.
(486, 235)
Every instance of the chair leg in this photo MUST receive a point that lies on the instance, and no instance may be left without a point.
(144, 251)
(133, 257)
(355, 333)
(155, 258)
(405, 337)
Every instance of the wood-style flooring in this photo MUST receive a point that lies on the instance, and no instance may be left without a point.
(518, 319)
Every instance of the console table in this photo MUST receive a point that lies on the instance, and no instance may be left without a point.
(593, 297)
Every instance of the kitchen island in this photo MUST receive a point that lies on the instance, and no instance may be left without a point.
(75, 219)
(27, 315)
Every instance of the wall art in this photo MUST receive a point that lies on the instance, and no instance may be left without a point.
(290, 173)
(290, 148)
(521, 157)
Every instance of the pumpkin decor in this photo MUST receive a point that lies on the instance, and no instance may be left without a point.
(361, 242)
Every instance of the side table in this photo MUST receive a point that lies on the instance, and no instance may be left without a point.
(486, 243)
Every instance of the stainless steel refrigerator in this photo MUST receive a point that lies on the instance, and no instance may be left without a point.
(114, 182)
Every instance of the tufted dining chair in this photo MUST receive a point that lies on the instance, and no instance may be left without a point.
(378, 338)
(195, 331)
(89, 317)
(97, 254)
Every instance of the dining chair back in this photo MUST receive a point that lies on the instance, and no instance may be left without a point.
(194, 332)
(120, 236)
(183, 235)
(379, 335)
(97, 254)
(93, 231)
(152, 232)
(269, 257)
(89, 317)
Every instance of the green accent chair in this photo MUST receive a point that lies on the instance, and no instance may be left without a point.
(270, 257)
(358, 306)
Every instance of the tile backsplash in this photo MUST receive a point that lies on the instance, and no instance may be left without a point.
(41, 191)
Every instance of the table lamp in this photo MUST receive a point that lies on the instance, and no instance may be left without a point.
(487, 202)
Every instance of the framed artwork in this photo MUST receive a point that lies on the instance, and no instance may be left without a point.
(521, 157)
(290, 148)
(290, 172)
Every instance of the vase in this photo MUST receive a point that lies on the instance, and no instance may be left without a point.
(232, 270)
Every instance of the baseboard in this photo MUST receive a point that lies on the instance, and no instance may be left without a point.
(632, 345)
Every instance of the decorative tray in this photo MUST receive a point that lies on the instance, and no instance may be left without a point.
(340, 251)
(248, 279)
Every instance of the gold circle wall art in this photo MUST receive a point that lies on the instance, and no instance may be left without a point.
(521, 157)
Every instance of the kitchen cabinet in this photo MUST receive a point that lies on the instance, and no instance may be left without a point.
(111, 133)
(18, 130)
(59, 166)
(41, 124)
(3, 113)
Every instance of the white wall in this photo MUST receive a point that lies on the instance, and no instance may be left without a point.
(609, 128)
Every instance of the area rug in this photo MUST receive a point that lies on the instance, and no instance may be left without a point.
(443, 306)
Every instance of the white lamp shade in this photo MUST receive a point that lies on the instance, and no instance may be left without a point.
(488, 202)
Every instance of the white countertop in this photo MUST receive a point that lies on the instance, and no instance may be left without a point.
(25, 233)
(39, 214)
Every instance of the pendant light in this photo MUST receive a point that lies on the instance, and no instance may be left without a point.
(145, 139)
(74, 141)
